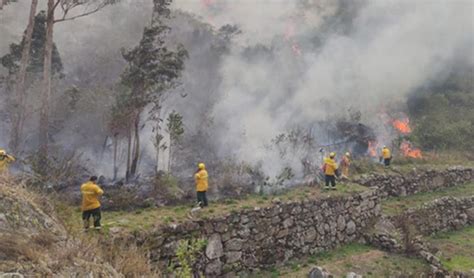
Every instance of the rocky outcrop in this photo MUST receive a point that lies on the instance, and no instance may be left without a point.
(416, 181)
(33, 243)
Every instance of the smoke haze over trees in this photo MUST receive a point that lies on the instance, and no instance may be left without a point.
(265, 81)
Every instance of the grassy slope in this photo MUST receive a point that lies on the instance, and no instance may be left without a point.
(456, 249)
(358, 258)
(148, 218)
(397, 205)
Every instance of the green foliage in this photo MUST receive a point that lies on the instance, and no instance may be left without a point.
(187, 253)
(175, 126)
(444, 120)
(11, 61)
(152, 68)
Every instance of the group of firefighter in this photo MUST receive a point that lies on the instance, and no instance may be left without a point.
(332, 170)
(91, 192)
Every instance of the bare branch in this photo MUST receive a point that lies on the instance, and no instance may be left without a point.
(80, 15)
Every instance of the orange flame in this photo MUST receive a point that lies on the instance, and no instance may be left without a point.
(372, 149)
(402, 125)
(409, 151)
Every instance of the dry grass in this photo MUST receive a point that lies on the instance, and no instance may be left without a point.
(144, 219)
(17, 247)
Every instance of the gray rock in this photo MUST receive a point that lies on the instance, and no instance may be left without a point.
(353, 275)
(310, 235)
(233, 257)
(319, 272)
(341, 223)
(288, 223)
(214, 268)
(234, 244)
(214, 248)
(351, 227)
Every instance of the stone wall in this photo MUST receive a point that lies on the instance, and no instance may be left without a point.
(266, 237)
(262, 238)
(417, 181)
(441, 215)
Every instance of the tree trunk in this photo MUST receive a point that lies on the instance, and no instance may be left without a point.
(136, 150)
(129, 153)
(46, 87)
(158, 142)
(19, 112)
(115, 156)
(170, 155)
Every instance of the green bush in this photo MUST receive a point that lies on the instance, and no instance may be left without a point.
(444, 120)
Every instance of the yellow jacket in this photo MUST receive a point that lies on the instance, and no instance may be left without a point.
(201, 179)
(386, 153)
(331, 166)
(90, 196)
(346, 161)
(5, 162)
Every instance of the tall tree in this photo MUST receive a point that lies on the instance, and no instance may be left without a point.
(5, 2)
(176, 130)
(66, 6)
(25, 63)
(19, 114)
(152, 70)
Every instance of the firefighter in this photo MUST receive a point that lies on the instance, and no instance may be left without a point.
(330, 169)
(5, 160)
(345, 164)
(386, 156)
(201, 178)
(91, 193)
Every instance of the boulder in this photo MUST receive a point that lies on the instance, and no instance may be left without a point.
(319, 272)
(214, 247)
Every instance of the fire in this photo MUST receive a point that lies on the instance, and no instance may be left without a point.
(402, 125)
(372, 149)
(409, 151)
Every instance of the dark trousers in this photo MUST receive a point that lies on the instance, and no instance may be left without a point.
(95, 213)
(202, 198)
(386, 161)
(331, 179)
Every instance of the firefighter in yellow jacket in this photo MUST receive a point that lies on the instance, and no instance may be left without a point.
(91, 193)
(330, 168)
(386, 156)
(201, 177)
(345, 165)
(5, 160)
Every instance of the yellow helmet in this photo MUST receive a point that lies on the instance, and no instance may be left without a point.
(201, 166)
(333, 154)
(3, 152)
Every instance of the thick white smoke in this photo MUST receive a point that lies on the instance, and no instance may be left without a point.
(390, 49)
(294, 64)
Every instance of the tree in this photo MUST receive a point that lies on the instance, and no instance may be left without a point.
(176, 130)
(25, 62)
(5, 2)
(90, 7)
(152, 70)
